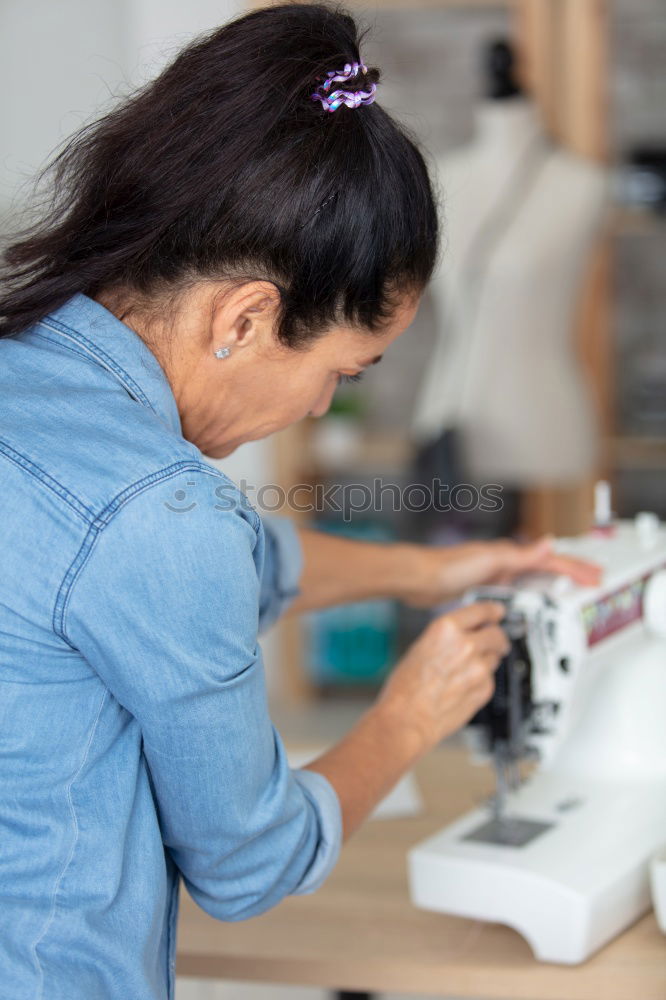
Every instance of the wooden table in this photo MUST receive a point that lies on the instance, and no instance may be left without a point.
(361, 933)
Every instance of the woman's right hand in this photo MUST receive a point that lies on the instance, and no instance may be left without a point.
(446, 675)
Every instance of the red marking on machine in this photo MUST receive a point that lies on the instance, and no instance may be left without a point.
(614, 611)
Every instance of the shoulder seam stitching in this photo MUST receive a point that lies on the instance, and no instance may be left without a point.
(41, 476)
(101, 357)
(103, 519)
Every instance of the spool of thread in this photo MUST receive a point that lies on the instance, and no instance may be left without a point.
(603, 511)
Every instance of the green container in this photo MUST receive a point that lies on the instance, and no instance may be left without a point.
(353, 644)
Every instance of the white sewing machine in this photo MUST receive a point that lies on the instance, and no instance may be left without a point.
(563, 857)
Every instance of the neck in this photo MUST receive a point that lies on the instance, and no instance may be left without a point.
(506, 125)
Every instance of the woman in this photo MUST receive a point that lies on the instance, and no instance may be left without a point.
(223, 248)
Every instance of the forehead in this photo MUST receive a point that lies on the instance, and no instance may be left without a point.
(372, 344)
(403, 316)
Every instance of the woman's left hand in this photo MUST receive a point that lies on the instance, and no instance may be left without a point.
(439, 574)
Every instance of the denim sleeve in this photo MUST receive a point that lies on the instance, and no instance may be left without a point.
(283, 563)
(165, 608)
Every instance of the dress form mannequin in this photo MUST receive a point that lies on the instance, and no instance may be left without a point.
(521, 218)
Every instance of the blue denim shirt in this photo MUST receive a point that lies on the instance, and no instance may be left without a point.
(135, 741)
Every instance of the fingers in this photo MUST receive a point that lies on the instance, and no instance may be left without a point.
(473, 616)
(513, 559)
(480, 681)
(483, 692)
(586, 573)
(482, 668)
(475, 631)
(448, 672)
(491, 640)
(491, 661)
(542, 557)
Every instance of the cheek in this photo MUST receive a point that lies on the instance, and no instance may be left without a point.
(310, 391)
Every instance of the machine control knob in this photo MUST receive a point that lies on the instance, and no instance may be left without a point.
(654, 604)
(646, 525)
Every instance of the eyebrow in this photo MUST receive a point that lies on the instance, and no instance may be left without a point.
(372, 361)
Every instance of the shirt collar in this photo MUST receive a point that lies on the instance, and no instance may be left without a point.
(108, 342)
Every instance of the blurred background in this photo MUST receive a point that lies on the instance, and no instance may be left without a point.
(537, 363)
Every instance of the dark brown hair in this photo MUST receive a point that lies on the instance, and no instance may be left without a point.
(224, 166)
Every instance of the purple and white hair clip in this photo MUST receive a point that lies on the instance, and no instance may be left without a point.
(350, 98)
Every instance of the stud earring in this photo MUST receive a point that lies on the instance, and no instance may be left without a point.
(223, 352)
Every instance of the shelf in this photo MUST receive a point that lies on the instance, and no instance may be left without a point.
(372, 453)
(628, 452)
(627, 221)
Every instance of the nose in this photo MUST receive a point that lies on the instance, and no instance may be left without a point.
(323, 404)
(321, 409)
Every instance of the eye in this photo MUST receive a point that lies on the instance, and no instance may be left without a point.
(351, 378)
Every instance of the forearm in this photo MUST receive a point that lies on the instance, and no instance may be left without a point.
(366, 764)
(340, 570)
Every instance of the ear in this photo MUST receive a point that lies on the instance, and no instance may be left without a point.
(244, 315)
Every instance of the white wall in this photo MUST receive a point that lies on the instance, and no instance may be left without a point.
(57, 62)
(62, 62)
(156, 29)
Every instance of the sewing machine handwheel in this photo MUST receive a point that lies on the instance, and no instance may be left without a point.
(654, 604)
